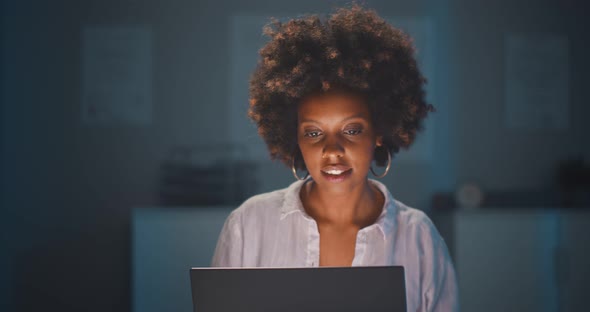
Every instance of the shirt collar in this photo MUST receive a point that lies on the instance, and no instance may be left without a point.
(292, 203)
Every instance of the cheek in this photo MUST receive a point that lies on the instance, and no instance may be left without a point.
(365, 154)
(309, 152)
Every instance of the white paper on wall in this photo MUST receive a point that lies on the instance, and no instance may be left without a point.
(117, 76)
(536, 81)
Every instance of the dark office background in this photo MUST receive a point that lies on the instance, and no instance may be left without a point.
(68, 189)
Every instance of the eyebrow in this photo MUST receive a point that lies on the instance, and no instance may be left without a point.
(360, 115)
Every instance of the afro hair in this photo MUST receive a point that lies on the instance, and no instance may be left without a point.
(353, 51)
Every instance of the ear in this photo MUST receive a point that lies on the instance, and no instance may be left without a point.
(379, 140)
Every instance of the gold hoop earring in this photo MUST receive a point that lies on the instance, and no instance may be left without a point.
(386, 168)
(295, 170)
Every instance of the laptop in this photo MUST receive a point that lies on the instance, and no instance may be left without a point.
(375, 288)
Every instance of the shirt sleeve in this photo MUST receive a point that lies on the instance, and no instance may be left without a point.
(228, 252)
(440, 291)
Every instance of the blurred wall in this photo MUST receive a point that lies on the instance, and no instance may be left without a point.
(497, 157)
(68, 189)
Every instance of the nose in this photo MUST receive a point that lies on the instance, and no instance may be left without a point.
(333, 148)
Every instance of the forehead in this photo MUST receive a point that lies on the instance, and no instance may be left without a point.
(332, 107)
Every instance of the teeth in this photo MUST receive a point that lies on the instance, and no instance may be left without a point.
(334, 172)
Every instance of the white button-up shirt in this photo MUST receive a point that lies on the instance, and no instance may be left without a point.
(273, 230)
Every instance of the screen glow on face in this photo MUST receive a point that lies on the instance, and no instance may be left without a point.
(337, 139)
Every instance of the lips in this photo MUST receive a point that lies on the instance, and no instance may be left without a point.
(336, 173)
(336, 169)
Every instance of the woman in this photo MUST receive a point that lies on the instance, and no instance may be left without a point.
(329, 97)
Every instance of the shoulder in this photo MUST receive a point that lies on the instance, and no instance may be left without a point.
(261, 203)
(266, 205)
(411, 216)
(416, 223)
(410, 222)
(251, 214)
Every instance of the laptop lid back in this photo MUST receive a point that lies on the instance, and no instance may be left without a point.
(299, 289)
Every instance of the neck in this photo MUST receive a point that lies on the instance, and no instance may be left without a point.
(359, 206)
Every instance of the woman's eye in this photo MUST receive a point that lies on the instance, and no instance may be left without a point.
(353, 131)
(312, 134)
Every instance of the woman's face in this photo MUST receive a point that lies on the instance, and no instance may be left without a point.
(337, 140)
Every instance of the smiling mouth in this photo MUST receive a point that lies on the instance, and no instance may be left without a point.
(337, 175)
(335, 172)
